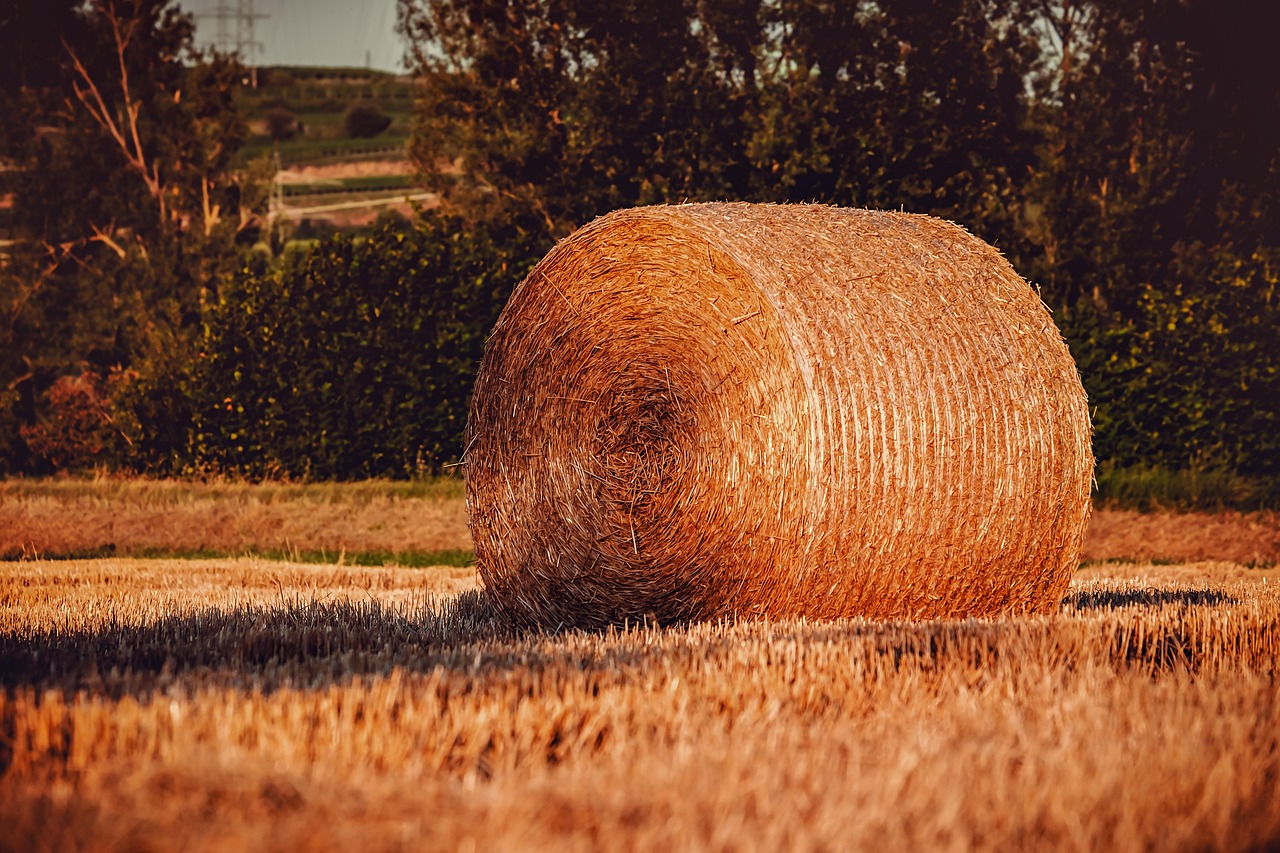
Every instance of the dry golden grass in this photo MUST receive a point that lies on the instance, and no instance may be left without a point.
(64, 517)
(73, 516)
(1250, 538)
(239, 704)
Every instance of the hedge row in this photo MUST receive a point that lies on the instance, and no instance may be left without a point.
(356, 360)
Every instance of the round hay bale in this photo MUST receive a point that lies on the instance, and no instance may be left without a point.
(709, 410)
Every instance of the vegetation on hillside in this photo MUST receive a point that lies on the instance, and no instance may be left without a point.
(117, 142)
(319, 100)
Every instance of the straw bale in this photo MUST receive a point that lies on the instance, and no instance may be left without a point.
(706, 410)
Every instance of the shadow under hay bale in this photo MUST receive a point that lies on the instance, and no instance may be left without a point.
(704, 410)
(1114, 599)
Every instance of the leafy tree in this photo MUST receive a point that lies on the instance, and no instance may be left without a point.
(899, 104)
(281, 123)
(550, 113)
(119, 137)
(365, 120)
(1157, 203)
(565, 109)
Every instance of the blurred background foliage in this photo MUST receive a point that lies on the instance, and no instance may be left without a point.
(1123, 155)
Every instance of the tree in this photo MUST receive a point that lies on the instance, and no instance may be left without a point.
(550, 113)
(1158, 210)
(281, 123)
(120, 137)
(1158, 137)
(565, 109)
(365, 120)
(899, 104)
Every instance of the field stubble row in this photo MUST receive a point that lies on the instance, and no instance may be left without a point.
(59, 519)
(168, 704)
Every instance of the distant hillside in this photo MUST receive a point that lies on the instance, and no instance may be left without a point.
(301, 110)
(336, 170)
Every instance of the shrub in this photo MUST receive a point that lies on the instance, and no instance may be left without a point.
(365, 120)
(356, 360)
(151, 404)
(1150, 487)
(282, 124)
(1192, 383)
(78, 430)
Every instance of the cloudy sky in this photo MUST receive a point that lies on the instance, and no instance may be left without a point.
(309, 32)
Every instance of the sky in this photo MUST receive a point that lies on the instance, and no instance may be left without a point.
(308, 32)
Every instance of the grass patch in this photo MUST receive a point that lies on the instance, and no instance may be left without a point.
(414, 522)
(1148, 488)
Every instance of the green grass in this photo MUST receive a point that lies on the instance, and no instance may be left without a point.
(1148, 488)
(372, 183)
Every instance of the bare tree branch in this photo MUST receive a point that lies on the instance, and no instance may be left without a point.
(90, 95)
(212, 214)
(103, 236)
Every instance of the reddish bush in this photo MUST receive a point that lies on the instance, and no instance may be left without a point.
(77, 429)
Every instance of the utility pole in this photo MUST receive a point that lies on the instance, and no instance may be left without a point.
(275, 201)
(244, 42)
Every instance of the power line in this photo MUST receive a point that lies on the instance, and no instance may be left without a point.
(246, 43)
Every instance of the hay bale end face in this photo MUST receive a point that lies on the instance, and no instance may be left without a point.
(709, 410)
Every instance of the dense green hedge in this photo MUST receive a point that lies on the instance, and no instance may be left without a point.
(1192, 383)
(355, 360)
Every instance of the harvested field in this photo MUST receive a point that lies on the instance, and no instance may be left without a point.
(54, 518)
(130, 517)
(306, 174)
(1249, 538)
(244, 704)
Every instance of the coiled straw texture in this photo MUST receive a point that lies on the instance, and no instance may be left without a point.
(715, 410)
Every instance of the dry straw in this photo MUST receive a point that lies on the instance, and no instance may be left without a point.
(707, 410)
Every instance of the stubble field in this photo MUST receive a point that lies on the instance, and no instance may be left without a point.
(247, 703)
